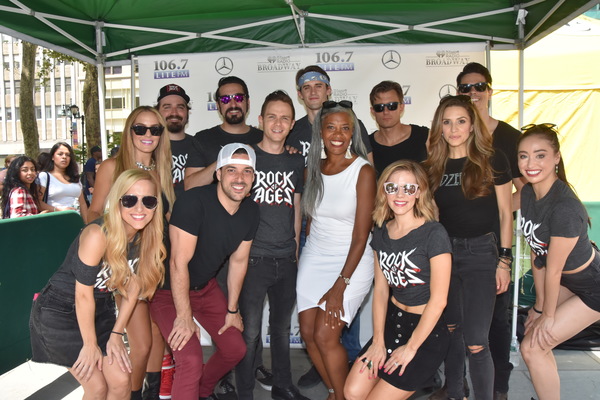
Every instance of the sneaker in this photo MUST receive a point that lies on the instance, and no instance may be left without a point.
(310, 379)
(291, 393)
(166, 377)
(225, 390)
(264, 377)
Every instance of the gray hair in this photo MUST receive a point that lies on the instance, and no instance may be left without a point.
(313, 188)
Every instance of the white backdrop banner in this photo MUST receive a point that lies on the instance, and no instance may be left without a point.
(426, 73)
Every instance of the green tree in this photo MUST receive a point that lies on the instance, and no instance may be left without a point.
(31, 138)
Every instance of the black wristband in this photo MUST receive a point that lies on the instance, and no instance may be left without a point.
(536, 310)
(505, 252)
(118, 333)
(233, 312)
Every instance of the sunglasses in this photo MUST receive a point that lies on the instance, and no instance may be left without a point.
(343, 103)
(393, 106)
(130, 200)
(238, 98)
(544, 125)
(479, 86)
(155, 130)
(408, 188)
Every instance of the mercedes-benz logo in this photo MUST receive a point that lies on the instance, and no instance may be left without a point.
(224, 65)
(447, 90)
(391, 59)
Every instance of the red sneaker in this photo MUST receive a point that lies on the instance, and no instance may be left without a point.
(166, 377)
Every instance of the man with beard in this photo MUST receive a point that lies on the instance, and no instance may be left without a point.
(209, 224)
(233, 103)
(173, 104)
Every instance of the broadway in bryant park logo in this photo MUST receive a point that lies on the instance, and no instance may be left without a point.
(447, 58)
(278, 64)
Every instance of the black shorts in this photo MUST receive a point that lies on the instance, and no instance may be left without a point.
(54, 330)
(399, 326)
(586, 284)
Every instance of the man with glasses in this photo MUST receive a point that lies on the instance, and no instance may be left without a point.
(208, 225)
(394, 140)
(233, 103)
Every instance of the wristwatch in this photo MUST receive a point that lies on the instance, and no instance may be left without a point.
(346, 280)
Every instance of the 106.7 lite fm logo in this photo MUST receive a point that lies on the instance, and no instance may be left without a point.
(335, 61)
(171, 69)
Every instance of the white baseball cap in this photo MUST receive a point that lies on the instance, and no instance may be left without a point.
(226, 154)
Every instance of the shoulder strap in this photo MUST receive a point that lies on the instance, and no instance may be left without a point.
(45, 199)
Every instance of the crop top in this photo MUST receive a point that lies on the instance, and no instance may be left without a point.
(405, 262)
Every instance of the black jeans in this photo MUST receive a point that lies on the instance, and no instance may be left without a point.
(469, 313)
(275, 278)
(500, 337)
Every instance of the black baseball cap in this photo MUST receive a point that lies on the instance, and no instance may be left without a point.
(172, 89)
(95, 149)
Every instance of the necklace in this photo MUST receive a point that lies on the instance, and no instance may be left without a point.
(150, 167)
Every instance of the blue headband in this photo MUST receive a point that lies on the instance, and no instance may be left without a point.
(312, 76)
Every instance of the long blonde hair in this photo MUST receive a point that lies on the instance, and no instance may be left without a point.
(161, 155)
(477, 175)
(423, 208)
(152, 252)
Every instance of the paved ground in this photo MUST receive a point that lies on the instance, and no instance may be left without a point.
(579, 372)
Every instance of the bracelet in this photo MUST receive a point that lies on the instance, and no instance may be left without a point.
(505, 262)
(118, 333)
(237, 310)
(506, 252)
(346, 280)
(536, 310)
(503, 268)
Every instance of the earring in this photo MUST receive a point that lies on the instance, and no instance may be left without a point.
(323, 154)
(348, 152)
(556, 168)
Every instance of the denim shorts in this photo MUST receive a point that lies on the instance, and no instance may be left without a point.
(54, 330)
(586, 284)
(399, 326)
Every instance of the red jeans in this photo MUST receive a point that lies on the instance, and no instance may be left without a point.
(192, 378)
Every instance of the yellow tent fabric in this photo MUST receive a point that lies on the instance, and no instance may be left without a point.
(562, 86)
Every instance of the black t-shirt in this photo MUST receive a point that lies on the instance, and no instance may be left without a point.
(470, 218)
(278, 178)
(505, 138)
(182, 150)
(301, 134)
(405, 261)
(212, 140)
(198, 212)
(412, 148)
(73, 269)
(560, 214)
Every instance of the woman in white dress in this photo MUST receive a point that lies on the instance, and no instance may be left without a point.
(64, 189)
(336, 268)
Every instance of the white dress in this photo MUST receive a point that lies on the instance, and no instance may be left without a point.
(328, 244)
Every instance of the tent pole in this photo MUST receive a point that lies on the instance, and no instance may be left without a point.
(133, 62)
(101, 88)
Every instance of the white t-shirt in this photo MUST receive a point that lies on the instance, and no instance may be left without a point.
(59, 194)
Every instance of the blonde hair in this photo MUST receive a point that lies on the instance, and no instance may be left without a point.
(423, 207)
(161, 155)
(477, 175)
(152, 252)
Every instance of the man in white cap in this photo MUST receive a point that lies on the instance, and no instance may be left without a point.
(208, 225)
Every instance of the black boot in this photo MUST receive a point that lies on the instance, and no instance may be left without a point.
(151, 386)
